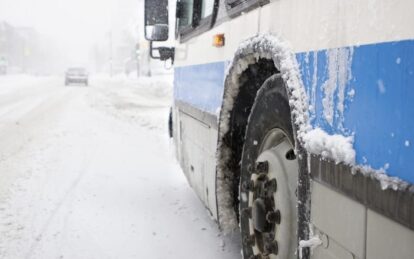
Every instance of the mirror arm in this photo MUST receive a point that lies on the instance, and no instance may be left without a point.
(165, 53)
(151, 51)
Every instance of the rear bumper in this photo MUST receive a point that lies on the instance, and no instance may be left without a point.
(76, 80)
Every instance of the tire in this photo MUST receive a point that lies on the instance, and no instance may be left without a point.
(269, 176)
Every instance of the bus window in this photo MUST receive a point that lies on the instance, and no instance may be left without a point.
(207, 8)
(186, 13)
(193, 16)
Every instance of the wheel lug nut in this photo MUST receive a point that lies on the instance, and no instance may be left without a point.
(273, 217)
(290, 155)
(262, 167)
(249, 240)
(272, 186)
(271, 247)
(247, 212)
(250, 169)
(245, 186)
(248, 185)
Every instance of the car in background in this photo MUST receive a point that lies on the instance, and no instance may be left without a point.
(76, 75)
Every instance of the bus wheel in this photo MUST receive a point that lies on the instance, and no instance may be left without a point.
(269, 176)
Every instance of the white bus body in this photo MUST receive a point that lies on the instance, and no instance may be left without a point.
(348, 72)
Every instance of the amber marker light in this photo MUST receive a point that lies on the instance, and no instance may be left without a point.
(218, 40)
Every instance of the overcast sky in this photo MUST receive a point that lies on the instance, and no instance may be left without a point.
(75, 24)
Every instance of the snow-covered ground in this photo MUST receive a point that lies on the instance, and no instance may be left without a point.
(88, 172)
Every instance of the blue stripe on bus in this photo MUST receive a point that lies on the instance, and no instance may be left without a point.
(200, 86)
(380, 114)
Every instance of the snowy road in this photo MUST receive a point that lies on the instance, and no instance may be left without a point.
(88, 172)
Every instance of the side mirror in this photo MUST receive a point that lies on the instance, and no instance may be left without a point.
(156, 20)
(158, 32)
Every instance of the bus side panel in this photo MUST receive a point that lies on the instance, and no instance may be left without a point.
(200, 70)
(197, 98)
(375, 86)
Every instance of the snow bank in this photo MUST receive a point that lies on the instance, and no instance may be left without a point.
(9, 83)
(17, 79)
(144, 101)
(336, 147)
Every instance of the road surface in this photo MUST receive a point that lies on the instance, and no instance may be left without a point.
(88, 172)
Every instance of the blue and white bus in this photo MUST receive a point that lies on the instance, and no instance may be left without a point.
(294, 120)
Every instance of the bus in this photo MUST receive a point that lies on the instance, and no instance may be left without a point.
(293, 121)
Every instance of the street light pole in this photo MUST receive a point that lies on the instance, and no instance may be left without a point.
(110, 52)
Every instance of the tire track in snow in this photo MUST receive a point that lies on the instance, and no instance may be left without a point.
(68, 194)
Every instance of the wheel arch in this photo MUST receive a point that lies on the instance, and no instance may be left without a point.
(257, 52)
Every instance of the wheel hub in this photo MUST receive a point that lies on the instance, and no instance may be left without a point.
(263, 206)
(269, 235)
